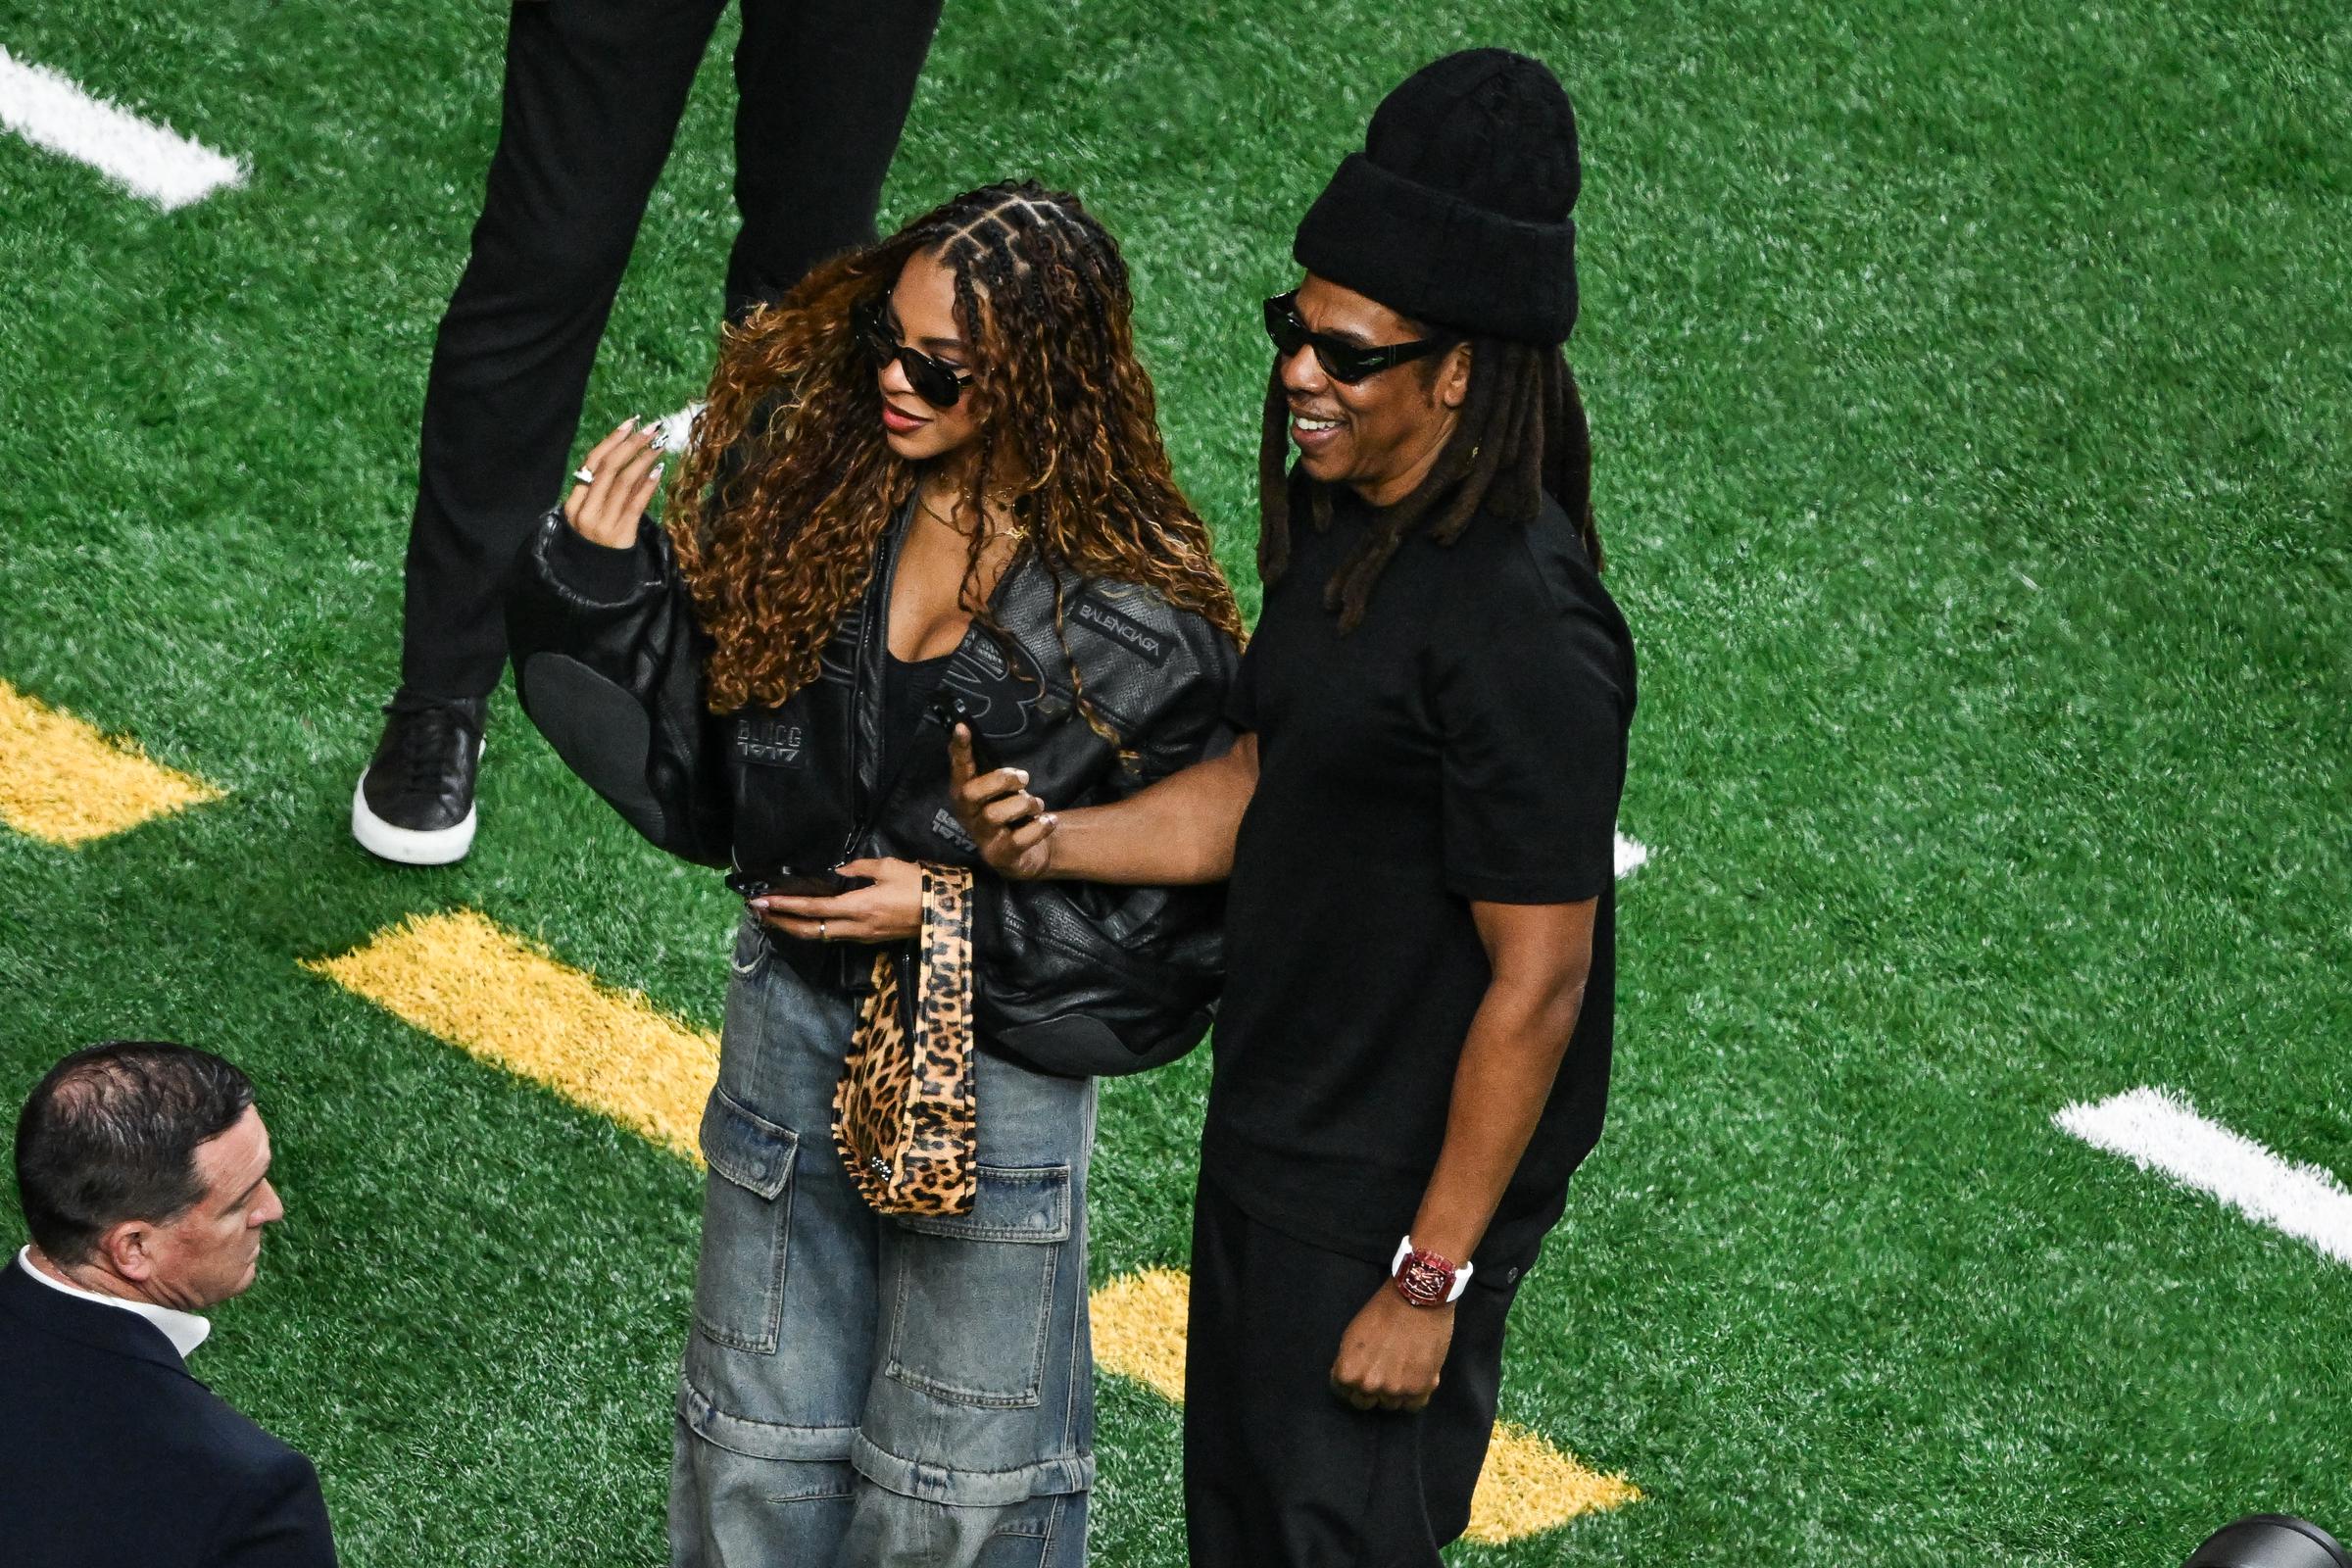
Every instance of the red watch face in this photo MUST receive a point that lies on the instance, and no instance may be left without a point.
(1425, 1279)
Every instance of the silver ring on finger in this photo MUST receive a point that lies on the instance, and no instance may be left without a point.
(821, 932)
(584, 474)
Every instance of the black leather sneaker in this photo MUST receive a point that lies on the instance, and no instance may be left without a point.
(414, 804)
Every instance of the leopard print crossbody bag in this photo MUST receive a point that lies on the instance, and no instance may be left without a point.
(905, 1112)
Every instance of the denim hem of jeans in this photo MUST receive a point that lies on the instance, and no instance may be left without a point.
(971, 1489)
(759, 1440)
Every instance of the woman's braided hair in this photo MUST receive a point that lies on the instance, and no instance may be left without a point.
(1522, 435)
(779, 541)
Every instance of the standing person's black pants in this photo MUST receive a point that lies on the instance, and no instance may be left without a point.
(1279, 1471)
(593, 94)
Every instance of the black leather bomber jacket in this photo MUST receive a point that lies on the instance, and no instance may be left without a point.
(1070, 977)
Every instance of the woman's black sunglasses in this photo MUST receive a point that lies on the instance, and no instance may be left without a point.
(1341, 359)
(934, 381)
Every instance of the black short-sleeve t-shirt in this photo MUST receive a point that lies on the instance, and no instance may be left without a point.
(1467, 741)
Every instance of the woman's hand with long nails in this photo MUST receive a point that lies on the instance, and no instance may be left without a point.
(1011, 826)
(890, 910)
(604, 510)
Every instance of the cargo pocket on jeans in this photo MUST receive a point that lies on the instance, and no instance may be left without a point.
(976, 1292)
(747, 1214)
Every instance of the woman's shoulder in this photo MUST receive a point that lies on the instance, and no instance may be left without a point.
(1125, 644)
(1142, 621)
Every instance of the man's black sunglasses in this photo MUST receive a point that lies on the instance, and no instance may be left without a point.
(934, 381)
(1341, 359)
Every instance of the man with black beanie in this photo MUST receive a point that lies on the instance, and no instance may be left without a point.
(594, 89)
(1418, 820)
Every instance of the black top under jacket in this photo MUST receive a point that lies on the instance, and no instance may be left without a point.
(1466, 742)
(110, 1453)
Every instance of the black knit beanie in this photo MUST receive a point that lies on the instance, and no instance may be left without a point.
(1456, 211)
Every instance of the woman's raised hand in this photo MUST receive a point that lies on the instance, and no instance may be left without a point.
(624, 475)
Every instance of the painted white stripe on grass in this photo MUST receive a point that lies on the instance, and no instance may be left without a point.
(2160, 1131)
(145, 159)
(1630, 857)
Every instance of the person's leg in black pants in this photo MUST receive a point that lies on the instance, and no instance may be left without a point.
(1279, 1472)
(822, 89)
(593, 94)
(593, 91)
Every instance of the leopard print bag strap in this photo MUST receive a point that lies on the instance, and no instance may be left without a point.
(905, 1112)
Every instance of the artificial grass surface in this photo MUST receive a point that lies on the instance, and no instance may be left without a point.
(1967, 381)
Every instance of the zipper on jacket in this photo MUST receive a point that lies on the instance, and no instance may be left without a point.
(876, 625)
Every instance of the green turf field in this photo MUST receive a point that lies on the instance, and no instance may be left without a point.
(1968, 384)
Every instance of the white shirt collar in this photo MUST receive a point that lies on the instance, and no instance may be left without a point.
(185, 1329)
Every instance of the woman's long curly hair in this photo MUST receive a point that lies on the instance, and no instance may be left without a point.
(780, 539)
(1522, 435)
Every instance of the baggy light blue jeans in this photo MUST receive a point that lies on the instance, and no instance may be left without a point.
(862, 1391)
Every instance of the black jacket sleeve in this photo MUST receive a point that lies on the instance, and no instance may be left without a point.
(278, 1521)
(1084, 978)
(609, 665)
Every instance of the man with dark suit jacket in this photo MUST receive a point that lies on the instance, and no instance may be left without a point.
(144, 1174)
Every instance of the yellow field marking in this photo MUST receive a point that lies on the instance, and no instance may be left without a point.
(1528, 1486)
(466, 979)
(1139, 1329)
(64, 782)
(470, 982)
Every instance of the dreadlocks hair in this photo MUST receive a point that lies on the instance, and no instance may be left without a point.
(788, 486)
(1522, 435)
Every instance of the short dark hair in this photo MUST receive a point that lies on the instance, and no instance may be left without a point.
(110, 1134)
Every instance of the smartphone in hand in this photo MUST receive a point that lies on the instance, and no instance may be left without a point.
(793, 883)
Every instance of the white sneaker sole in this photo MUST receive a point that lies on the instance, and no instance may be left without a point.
(408, 846)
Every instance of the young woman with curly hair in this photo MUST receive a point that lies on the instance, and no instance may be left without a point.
(928, 489)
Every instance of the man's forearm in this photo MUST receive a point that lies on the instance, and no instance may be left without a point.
(1179, 831)
(1500, 1086)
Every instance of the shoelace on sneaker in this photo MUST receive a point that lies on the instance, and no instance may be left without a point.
(427, 730)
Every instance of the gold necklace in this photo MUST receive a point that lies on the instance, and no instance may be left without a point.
(1015, 531)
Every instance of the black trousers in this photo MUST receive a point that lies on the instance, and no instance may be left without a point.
(594, 89)
(1279, 1472)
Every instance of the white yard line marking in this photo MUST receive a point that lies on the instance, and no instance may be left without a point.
(148, 160)
(1630, 857)
(2160, 1131)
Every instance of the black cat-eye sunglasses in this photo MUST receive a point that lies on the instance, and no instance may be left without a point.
(934, 381)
